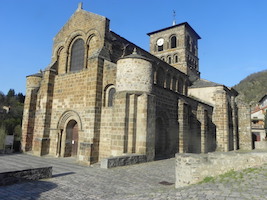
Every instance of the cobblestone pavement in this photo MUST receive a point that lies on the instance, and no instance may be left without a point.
(153, 181)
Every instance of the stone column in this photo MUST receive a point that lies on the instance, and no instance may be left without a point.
(183, 126)
(145, 127)
(202, 118)
(131, 147)
(244, 126)
(220, 119)
(234, 116)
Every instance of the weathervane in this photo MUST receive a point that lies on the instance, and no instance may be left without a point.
(174, 18)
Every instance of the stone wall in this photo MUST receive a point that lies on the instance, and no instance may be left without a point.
(244, 126)
(134, 74)
(133, 122)
(193, 168)
(182, 124)
(228, 118)
(16, 175)
(122, 161)
(261, 145)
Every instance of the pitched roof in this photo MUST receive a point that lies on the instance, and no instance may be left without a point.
(200, 83)
(39, 74)
(184, 23)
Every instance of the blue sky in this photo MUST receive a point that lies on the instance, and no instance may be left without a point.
(233, 32)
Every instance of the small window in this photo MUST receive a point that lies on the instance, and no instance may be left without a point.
(188, 42)
(77, 55)
(111, 93)
(169, 59)
(160, 48)
(173, 42)
(175, 58)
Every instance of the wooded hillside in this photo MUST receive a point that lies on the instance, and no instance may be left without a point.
(11, 111)
(253, 88)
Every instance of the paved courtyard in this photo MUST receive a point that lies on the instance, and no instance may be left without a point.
(154, 180)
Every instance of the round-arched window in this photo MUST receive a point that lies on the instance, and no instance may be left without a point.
(111, 93)
(173, 41)
(77, 55)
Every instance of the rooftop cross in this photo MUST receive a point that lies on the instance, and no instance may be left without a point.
(80, 6)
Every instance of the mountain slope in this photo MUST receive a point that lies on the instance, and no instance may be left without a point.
(253, 87)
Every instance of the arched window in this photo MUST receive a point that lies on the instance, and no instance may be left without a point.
(169, 59)
(160, 47)
(188, 41)
(77, 55)
(111, 93)
(162, 58)
(173, 41)
(175, 58)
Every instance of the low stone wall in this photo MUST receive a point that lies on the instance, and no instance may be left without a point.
(193, 168)
(10, 176)
(261, 145)
(122, 161)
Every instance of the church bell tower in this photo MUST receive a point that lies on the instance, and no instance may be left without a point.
(178, 46)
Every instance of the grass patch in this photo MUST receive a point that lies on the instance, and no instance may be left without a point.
(208, 179)
(250, 170)
(230, 175)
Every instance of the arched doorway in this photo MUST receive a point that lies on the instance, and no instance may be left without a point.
(71, 143)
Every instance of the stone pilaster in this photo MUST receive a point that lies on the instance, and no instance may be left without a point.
(235, 123)
(183, 126)
(131, 146)
(145, 136)
(220, 119)
(120, 124)
(244, 126)
(43, 114)
(202, 118)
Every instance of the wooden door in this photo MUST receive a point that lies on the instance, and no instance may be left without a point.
(74, 140)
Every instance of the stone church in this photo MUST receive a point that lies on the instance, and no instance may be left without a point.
(103, 96)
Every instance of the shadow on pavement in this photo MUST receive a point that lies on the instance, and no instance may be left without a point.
(62, 174)
(27, 190)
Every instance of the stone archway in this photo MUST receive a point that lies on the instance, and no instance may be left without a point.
(69, 125)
